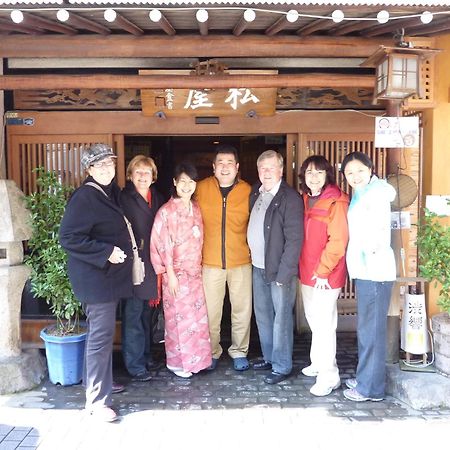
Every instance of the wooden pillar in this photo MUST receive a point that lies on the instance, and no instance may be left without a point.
(393, 154)
(393, 319)
(2, 135)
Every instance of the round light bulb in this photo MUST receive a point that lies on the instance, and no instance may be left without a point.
(202, 15)
(337, 16)
(110, 15)
(155, 15)
(383, 16)
(63, 15)
(17, 16)
(292, 16)
(249, 15)
(426, 17)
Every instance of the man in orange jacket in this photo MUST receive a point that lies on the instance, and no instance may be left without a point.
(224, 203)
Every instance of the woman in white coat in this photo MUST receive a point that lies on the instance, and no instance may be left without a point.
(371, 264)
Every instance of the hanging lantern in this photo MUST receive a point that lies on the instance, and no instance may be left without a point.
(398, 71)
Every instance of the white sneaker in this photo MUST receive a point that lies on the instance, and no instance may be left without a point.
(104, 414)
(309, 371)
(182, 374)
(355, 396)
(351, 383)
(321, 390)
(179, 372)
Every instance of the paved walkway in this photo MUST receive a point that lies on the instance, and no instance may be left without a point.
(223, 409)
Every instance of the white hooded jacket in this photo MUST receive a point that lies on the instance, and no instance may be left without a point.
(369, 252)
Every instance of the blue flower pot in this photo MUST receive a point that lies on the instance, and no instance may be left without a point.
(65, 356)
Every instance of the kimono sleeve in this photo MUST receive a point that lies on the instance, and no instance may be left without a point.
(161, 247)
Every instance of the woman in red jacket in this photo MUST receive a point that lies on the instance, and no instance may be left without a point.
(322, 269)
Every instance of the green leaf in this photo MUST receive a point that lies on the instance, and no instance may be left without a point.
(47, 259)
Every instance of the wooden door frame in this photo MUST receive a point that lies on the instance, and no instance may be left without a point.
(117, 124)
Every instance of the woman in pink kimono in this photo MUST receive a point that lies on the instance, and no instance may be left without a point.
(176, 252)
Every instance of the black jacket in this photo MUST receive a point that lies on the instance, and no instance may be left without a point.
(283, 233)
(141, 217)
(92, 225)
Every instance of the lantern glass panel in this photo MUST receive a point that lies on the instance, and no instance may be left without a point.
(404, 72)
(382, 76)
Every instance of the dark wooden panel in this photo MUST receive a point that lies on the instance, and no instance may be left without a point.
(78, 99)
(130, 99)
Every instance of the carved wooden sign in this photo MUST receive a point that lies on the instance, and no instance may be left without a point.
(130, 99)
(209, 102)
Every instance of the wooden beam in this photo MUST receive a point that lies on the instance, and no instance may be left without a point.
(342, 29)
(390, 27)
(124, 46)
(166, 26)
(240, 26)
(86, 24)
(438, 26)
(203, 28)
(277, 26)
(127, 25)
(31, 20)
(314, 26)
(11, 27)
(24, 82)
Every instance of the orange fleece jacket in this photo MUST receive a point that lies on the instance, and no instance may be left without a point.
(225, 223)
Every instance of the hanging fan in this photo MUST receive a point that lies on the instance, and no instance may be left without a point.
(406, 189)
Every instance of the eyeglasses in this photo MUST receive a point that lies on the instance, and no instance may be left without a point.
(106, 163)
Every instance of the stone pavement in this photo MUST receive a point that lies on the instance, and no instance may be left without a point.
(223, 409)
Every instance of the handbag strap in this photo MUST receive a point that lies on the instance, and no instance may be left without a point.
(130, 229)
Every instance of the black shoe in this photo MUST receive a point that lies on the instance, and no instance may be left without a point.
(143, 376)
(262, 365)
(275, 378)
(152, 365)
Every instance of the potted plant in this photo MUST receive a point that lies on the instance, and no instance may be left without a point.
(433, 242)
(49, 279)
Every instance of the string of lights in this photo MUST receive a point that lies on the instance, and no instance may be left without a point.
(155, 14)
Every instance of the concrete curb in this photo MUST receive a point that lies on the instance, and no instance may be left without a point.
(418, 389)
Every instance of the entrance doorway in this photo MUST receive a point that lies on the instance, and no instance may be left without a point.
(168, 151)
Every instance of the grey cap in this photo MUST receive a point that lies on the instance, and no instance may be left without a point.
(94, 153)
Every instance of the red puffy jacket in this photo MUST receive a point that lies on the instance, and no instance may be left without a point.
(326, 238)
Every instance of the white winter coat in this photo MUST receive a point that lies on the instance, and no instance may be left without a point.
(369, 252)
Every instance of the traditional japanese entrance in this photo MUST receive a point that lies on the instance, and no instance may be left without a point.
(33, 140)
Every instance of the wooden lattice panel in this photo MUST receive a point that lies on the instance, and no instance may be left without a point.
(426, 98)
(59, 153)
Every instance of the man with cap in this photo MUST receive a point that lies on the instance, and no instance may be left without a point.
(95, 236)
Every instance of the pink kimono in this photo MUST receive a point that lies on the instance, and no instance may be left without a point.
(176, 240)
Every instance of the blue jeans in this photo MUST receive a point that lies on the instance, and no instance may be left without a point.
(136, 334)
(274, 311)
(373, 298)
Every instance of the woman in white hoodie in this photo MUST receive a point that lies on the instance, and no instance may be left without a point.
(371, 264)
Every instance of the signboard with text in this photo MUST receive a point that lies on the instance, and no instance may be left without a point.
(397, 132)
(208, 102)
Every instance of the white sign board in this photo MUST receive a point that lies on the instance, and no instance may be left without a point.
(438, 204)
(397, 132)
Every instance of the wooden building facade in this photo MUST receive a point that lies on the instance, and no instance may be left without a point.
(70, 83)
